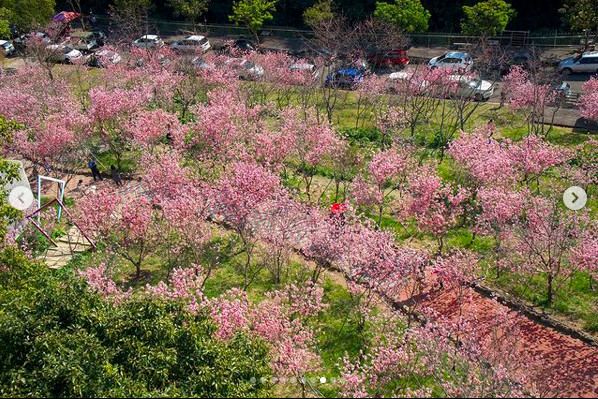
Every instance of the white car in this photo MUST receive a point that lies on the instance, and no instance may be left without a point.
(103, 58)
(302, 66)
(468, 87)
(148, 41)
(63, 53)
(247, 70)
(200, 63)
(85, 41)
(6, 47)
(455, 60)
(192, 44)
(408, 79)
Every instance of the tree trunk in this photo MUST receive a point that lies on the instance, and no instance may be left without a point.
(549, 288)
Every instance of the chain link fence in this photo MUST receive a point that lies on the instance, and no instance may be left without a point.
(436, 39)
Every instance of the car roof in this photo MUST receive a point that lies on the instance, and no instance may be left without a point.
(3, 41)
(194, 37)
(349, 71)
(590, 54)
(456, 54)
(400, 75)
(151, 37)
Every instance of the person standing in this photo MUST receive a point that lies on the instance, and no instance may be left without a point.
(94, 170)
(92, 19)
(116, 175)
(490, 129)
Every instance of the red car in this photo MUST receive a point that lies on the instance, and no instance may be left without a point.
(390, 58)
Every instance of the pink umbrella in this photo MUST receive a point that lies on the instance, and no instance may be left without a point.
(66, 16)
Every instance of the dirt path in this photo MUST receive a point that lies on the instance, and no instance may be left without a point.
(568, 367)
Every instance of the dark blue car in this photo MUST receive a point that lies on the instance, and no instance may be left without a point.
(348, 78)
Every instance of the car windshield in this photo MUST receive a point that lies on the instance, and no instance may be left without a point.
(577, 58)
(475, 83)
(203, 41)
(248, 65)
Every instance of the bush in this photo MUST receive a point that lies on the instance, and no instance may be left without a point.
(59, 340)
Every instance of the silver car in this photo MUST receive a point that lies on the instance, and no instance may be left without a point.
(583, 63)
(6, 47)
(192, 44)
(477, 89)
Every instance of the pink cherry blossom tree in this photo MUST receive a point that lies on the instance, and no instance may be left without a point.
(125, 224)
(588, 102)
(387, 172)
(529, 93)
(238, 196)
(435, 205)
(542, 243)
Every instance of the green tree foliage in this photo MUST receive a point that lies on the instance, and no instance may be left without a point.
(191, 10)
(409, 15)
(5, 18)
(253, 14)
(8, 172)
(488, 18)
(581, 14)
(321, 11)
(28, 14)
(59, 340)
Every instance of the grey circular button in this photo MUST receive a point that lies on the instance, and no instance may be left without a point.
(20, 198)
(575, 198)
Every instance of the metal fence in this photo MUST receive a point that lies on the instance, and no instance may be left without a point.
(436, 39)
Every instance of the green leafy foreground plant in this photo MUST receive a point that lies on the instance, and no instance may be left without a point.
(59, 340)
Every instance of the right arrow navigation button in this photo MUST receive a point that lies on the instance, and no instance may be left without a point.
(575, 198)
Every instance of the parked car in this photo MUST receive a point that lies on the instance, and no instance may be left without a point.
(100, 37)
(389, 59)
(6, 47)
(304, 66)
(21, 41)
(416, 82)
(347, 78)
(148, 41)
(103, 59)
(200, 63)
(247, 70)
(467, 87)
(583, 63)
(192, 44)
(84, 41)
(63, 53)
(312, 53)
(241, 44)
(455, 60)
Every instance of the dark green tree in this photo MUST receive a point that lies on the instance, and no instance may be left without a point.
(28, 14)
(582, 15)
(408, 15)
(253, 14)
(321, 11)
(59, 340)
(487, 18)
(191, 10)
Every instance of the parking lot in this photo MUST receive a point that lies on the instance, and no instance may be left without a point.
(419, 57)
